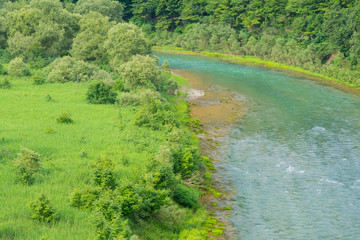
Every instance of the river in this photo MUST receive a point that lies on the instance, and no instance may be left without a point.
(293, 159)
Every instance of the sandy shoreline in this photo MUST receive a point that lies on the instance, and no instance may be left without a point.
(217, 110)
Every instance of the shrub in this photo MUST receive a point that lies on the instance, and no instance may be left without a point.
(49, 130)
(103, 173)
(27, 163)
(64, 118)
(38, 79)
(172, 86)
(186, 160)
(101, 93)
(68, 69)
(165, 67)
(171, 216)
(2, 70)
(48, 98)
(161, 175)
(108, 229)
(18, 68)
(186, 196)
(42, 210)
(5, 84)
(85, 198)
(141, 71)
(129, 99)
(155, 116)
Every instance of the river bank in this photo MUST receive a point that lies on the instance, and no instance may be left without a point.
(216, 110)
(254, 61)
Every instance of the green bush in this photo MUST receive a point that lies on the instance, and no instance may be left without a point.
(171, 216)
(108, 229)
(172, 86)
(68, 69)
(104, 174)
(38, 79)
(129, 99)
(85, 198)
(42, 210)
(161, 175)
(27, 164)
(64, 118)
(155, 115)
(186, 196)
(5, 84)
(2, 70)
(101, 93)
(141, 72)
(186, 160)
(18, 68)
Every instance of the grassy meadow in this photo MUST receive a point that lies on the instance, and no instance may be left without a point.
(68, 151)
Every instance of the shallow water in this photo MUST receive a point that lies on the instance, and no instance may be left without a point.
(294, 159)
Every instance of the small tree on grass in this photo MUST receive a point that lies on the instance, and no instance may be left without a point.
(27, 164)
(42, 210)
(101, 93)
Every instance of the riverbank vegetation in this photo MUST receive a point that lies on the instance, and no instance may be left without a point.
(318, 36)
(94, 139)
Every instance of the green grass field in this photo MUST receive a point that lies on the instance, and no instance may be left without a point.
(28, 119)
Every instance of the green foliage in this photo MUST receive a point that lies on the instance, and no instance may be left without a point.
(27, 164)
(155, 116)
(125, 40)
(85, 197)
(112, 9)
(161, 174)
(88, 44)
(186, 160)
(101, 93)
(64, 118)
(114, 228)
(103, 173)
(68, 69)
(42, 209)
(186, 196)
(172, 85)
(5, 84)
(141, 71)
(38, 78)
(18, 68)
(171, 216)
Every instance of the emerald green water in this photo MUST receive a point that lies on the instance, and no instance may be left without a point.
(294, 159)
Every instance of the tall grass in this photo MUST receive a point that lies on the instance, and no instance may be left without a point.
(67, 153)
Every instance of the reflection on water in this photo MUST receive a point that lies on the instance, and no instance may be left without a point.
(294, 158)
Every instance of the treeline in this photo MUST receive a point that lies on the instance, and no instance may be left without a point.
(318, 35)
(54, 42)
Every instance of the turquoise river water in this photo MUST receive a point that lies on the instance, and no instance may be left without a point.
(294, 159)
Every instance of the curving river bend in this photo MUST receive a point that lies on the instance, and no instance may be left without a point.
(294, 159)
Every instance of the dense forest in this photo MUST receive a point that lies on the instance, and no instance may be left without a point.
(317, 35)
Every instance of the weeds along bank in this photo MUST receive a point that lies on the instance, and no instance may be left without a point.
(94, 137)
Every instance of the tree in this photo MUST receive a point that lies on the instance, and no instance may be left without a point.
(89, 43)
(124, 41)
(112, 9)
